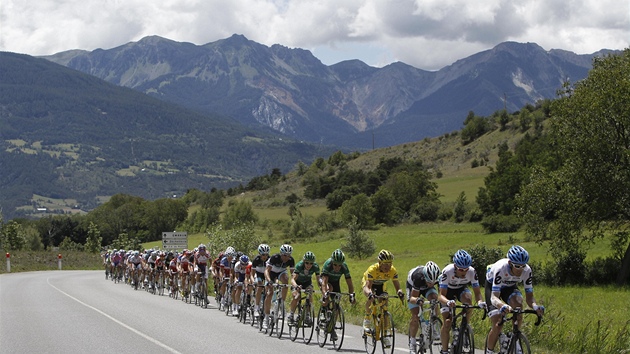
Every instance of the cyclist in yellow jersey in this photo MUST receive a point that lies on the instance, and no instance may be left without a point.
(374, 280)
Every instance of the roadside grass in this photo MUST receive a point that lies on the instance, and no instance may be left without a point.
(27, 261)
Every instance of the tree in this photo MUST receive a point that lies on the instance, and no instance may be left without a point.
(461, 207)
(242, 237)
(358, 244)
(358, 209)
(239, 212)
(590, 193)
(94, 239)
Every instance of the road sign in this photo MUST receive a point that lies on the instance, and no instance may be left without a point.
(174, 240)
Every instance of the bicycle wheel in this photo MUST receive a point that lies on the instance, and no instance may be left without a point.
(280, 317)
(339, 327)
(298, 321)
(369, 338)
(320, 328)
(435, 342)
(388, 335)
(308, 323)
(519, 344)
(466, 342)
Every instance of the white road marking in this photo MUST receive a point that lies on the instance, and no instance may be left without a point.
(147, 337)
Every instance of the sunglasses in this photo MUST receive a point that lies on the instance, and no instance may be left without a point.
(336, 264)
(518, 266)
(461, 269)
(308, 263)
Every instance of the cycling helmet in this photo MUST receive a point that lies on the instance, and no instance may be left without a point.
(230, 252)
(202, 246)
(286, 249)
(136, 253)
(431, 272)
(462, 259)
(337, 256)
(263, 249)
(385, 256)
(309, 256)
(244, 259)
(518, 255)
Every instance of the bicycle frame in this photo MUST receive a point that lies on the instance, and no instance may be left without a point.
(463, 339)
(428, 308)
(330, 319)
(518, 341)
(382, 326)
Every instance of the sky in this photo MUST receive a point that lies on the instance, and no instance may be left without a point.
(427, 34)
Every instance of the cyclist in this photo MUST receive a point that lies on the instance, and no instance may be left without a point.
(242, 273)
(184, 266)
(135, 262)
(421, 282)
(260, 264)
(373, 282)
(116, 259)
(454, 285)
(502, 292)
(225, 271)
(277, 270)
(332, 270)
(172, 272)
(302, 279)
(200, 262)
(216, 269)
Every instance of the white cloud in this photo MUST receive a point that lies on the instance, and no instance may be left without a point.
(428, 34)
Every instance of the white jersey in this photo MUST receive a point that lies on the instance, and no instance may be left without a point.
(499, 275)
(449, 280)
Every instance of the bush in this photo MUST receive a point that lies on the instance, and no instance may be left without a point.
(358, 244)
(501, 223)
(482, 257)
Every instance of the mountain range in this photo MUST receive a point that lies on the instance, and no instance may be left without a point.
(156, 117)
(346, 104)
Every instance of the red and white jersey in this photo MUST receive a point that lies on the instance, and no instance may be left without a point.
(202, 257)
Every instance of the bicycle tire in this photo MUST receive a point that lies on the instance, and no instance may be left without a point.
(294, 328)
(308, 328)
(280, 318)
(435, 345)
(320, 329)
(519, 341)
(467, 340)
(339, 325)
(369, 338)
(388, 331)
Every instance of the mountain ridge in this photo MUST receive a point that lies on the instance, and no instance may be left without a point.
(290, 91)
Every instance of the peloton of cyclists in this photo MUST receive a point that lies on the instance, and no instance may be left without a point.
(421, 282)
(454, 286)
(302, 279)
(501, 289)
(373, 282)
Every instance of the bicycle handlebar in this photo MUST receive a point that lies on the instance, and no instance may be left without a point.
(517, 311)
(464, 307)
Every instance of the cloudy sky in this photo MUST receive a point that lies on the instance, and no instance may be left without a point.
(428, 34)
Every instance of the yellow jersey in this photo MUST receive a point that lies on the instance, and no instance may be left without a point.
(379, 277)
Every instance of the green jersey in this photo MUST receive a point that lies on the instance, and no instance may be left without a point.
(332, 275)
(305, 275)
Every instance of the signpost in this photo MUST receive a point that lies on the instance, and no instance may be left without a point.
(174, 240)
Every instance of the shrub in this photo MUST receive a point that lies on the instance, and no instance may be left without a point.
(482, 257)
(500, 223)
(358, 244)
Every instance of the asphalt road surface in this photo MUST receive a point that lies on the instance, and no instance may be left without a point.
(80, 311)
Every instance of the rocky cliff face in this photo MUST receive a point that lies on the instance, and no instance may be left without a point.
(291, 91)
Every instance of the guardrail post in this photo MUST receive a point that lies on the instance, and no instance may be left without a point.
(59, 260)
(8, 262)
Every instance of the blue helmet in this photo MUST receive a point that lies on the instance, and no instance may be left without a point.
(518, 255)
(244, 259)
(462, 259)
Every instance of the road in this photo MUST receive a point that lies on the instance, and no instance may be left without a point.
(79, 311)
